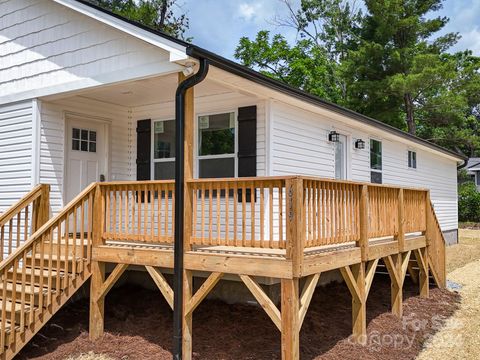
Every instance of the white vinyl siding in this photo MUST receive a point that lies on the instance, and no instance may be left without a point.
(16, 128)
(300, 146)
(46, 45)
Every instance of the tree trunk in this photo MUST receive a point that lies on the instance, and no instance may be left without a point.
(163, 13)
(412, 128)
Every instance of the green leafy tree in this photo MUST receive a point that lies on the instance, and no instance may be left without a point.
(399, 71)
(468, 202)
(157, 14)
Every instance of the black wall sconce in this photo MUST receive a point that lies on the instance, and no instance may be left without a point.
(333, 136)
(359, 144)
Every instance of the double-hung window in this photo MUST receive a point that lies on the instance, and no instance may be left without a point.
(375, 161)
(217, 145)
(164, 149)
(412, 159)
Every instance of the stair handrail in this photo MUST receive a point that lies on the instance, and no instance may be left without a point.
(437, 253)
(6, 262)
(38, 200)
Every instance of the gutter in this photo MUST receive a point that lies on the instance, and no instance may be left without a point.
(178, 267)
(465, 162)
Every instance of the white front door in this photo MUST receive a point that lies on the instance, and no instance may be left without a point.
(341, 158)
(86, 148)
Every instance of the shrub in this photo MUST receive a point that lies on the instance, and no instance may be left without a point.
(468, 202)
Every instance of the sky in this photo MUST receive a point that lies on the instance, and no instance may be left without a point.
(218, 25)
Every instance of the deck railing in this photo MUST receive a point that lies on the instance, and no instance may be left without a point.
(23, 218)
(263, 212)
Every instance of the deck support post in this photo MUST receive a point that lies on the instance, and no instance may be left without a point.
(187, 316)
(397, 266)
(423, 281)
(355, 279)
(97, 301)
(290, 319)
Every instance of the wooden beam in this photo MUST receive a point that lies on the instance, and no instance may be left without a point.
(161, 283)
(290, 320)
(306, 297)
(97, 302)
(203, 291)
(263, 299)
(369, 275)
(112, 279)
(413, 273)
(350, 280)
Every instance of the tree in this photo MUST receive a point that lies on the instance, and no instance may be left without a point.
(399, 69)
(157, 14)
(326, 31)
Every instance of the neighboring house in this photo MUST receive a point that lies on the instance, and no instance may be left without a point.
(70, 71)
(87, 97)
(473, 170)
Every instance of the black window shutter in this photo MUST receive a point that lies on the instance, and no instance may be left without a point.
(247, 144)
(144, 139)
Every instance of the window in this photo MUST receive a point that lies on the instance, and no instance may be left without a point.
(477, 176)
(412, 159)
(164, 149)
(375, 161)
(216, 145)
(84, 140)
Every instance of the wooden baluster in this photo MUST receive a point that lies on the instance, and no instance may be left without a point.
(42, 269)
(218, 213)
(82, 230)
(281, 241)
(114, 220)
(13, 297)
(203, 214)
(194, 212)
(126, 220)
(272, 242)
(152, 214)
(4, 308)
(74, 240)
(227, 214)
(2, 241)
(363, 221)
(252, 215)
(89, 228)
(23, 292)
(108, 200)
(145, 212)
(262, 217)
(26, 232)
(331, 206)
(139, 213)
(159, 213)
(50, 266)
(167, 194)
(120, 212)
(172, 186)
(67, 241)
(58, 245)
(235, 213)
(10, 236)
(210, 213)
(33, 266)
(244, 214)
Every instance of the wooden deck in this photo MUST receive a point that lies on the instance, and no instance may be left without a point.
(290, 229)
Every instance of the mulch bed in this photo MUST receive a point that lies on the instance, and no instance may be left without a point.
(138, 325)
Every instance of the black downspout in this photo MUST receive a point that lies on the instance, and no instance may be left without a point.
(179, 210)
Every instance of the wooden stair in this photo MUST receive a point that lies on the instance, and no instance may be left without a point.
(39, 277)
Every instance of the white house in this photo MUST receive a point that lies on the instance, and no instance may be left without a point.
(79, 87)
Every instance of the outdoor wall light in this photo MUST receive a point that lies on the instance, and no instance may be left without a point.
(333, 136)
(359, 144)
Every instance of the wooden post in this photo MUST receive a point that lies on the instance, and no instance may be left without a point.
(397, 286)
(187, 327)
(290, 319)
(44, 213)
(295, 224)
(97, 302)
(423, 272)
(363, 241)
(401, 222)
(359, 305)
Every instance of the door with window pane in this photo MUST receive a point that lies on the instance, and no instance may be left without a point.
(341, 158)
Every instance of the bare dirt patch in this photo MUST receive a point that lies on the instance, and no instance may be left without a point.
(466, 251)
(138, 326)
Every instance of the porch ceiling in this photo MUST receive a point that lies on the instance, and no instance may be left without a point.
(150, 91)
